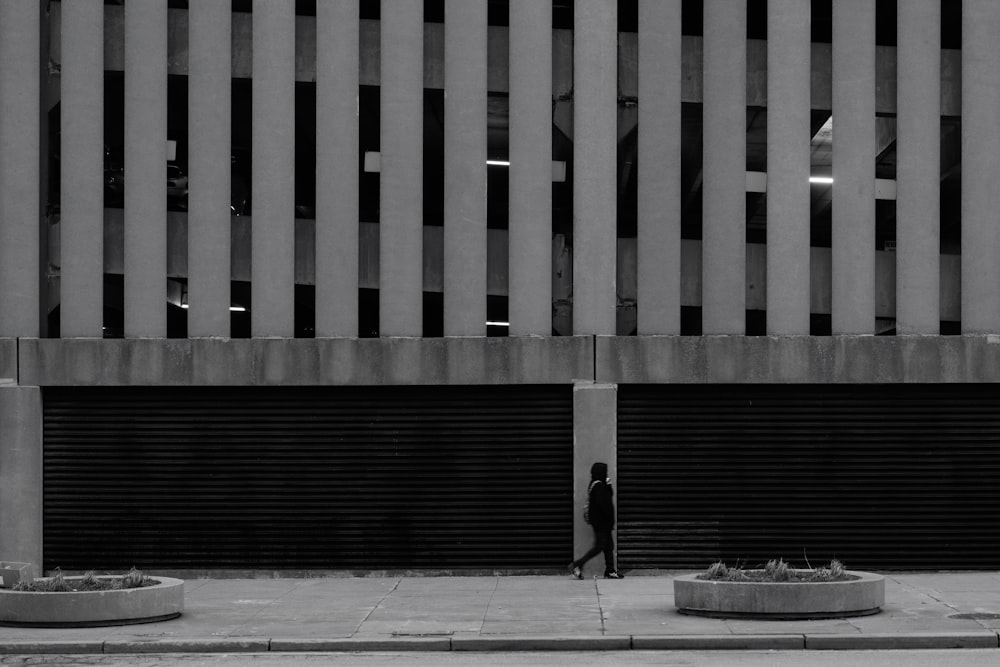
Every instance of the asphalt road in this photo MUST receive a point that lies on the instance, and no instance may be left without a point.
(900, 658)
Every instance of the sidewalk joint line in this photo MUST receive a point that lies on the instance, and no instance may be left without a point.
(377, 605)
(600, 607)
(489, 603)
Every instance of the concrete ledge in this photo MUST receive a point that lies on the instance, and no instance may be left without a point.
(872, 641)
(305, 361)
(713, 642)
(363, 644)
(93, 608)
(188, 646)
(52, 646)
(798, 359)
(542, 643)
(863, 595)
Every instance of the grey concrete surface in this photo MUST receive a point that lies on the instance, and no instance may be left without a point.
(519, 613)
(304, 361)
(901, 658)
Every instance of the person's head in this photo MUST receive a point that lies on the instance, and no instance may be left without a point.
(599, 471)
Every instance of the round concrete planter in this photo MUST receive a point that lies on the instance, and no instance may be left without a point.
(780, 600)
(161, 602)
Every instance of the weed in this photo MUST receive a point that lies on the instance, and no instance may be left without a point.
(717, 570)
(58, 583)
(134, 579)
(777, 570)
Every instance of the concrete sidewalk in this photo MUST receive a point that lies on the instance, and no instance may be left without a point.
(937, 610)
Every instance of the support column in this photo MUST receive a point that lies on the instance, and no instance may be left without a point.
(595, 150)
(724, 168)
(853, 251)
(980, 147)
(272, 290)
(530, 186)
(595, 438)
(209, 168)
(81, 300)
(788, 198)
(918, 170)
(21, 475)
(337, 177)
(20, 34)
(145, 168)
(465, 168)
(401, 194)
(659, 191)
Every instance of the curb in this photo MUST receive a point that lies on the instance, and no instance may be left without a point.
(873, 641)
(756, 642)
(363, 644)
(542, 643)
(719, 642)
(188, 646)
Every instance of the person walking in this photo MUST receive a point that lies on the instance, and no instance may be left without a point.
(600, 514)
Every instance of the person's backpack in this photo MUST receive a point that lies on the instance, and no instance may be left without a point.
(586, 507)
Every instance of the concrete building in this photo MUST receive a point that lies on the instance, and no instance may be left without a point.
(416, 266)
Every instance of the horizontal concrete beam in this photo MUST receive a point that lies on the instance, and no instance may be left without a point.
(517, 360)
(497, 45)
(798, 359)
(305, 361)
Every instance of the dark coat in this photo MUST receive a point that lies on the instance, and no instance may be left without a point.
(602, 506)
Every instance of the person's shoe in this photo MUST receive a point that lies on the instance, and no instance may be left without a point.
(575, 571)
(614, 575)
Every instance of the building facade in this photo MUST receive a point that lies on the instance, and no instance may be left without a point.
(343, 285)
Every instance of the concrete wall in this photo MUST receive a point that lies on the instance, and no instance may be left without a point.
(595, 438)
(21, 474)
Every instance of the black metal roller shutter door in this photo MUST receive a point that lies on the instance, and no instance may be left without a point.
(881, 477)
(319, 478)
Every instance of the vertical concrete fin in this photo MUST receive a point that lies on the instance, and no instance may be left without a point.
(337, 179)
(658, 297)
(145, 168)
(272, 308)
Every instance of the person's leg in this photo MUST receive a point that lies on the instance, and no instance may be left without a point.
(594, 550)
(608, 544)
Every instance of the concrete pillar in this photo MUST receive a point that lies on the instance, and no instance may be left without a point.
(530, 187)
(401, 195)
(465, 168)
(145, 168)
(980, 147)
(724, 168)
(20, 32)
(918, 171)
(337, 177)
(595, 438)
(21, 475)
(659, 198)
(595, 134)
(272, 291)
(209, 169)
(81, 302)
(853, 247)
(788, 136)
